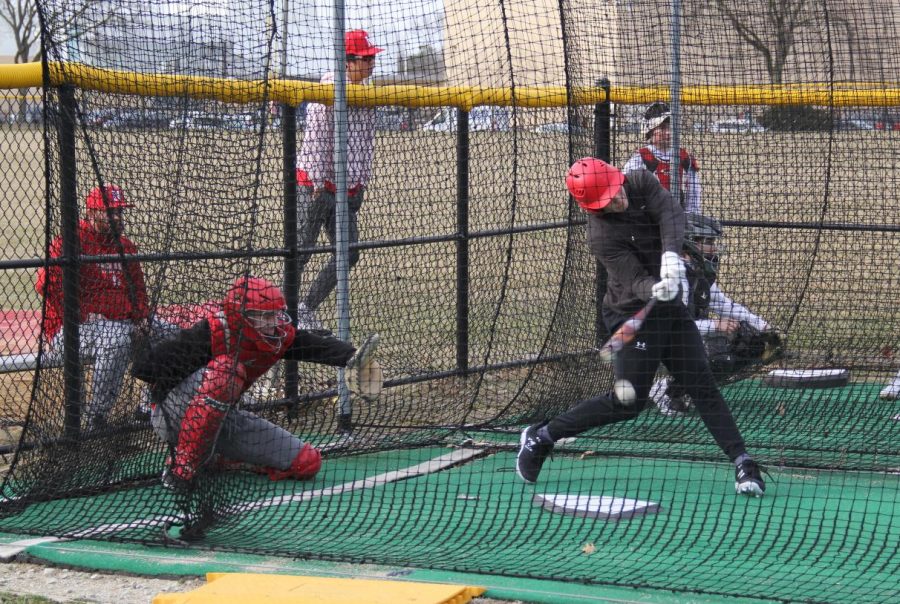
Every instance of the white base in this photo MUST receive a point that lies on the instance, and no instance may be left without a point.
(807, 378)
(595, 506)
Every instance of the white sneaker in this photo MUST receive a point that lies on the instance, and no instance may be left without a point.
(891, 392)
(307, 319)
(659, 396)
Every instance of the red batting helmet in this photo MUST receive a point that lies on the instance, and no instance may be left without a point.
(259, 305)
(356, 43)
(593, 183)
(114, 198)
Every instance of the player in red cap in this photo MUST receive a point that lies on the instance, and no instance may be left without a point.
(315, 172)
(635, 229)
(112, 299)
(198, 376)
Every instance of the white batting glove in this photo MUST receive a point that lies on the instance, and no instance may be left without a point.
(671, 267)
(671, 272)
(665, 290)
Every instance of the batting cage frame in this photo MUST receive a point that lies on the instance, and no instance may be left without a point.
(453, 240)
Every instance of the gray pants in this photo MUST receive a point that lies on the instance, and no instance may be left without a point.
(107, 343)
(243, 437)
(315, 212)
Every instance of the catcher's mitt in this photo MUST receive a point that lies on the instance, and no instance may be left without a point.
(363, 373)
(733, 356)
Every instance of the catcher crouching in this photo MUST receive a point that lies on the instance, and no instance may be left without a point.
(737, 341)
(197, 377)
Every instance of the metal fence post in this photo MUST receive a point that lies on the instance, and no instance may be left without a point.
(462, 241)
(71, 251)
(602, 150)
(291, 262)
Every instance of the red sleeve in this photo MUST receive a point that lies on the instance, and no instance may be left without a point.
(50, 284)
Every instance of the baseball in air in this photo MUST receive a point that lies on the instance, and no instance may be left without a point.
(624, 392)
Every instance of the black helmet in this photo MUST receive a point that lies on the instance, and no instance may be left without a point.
(696, 229)
(699, 225)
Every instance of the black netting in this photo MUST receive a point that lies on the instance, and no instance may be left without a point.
(470, 261)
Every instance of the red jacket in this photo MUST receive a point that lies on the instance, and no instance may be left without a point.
(104, 287)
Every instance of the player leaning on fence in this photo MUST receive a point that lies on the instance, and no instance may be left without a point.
(636, 229)
(112, 300)
(198, 376)
(316, 191)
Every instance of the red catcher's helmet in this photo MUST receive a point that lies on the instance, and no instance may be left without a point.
(593, 183)
(258, 305)
(114, 198)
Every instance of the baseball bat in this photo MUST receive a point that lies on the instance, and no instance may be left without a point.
(626, 333)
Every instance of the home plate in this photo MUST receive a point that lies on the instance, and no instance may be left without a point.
(807, 378)
(595, 506)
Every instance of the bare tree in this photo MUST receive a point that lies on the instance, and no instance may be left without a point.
(63, 17)
(772, 30)
(21, 17)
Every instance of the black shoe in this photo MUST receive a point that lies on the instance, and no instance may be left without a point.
(345, 425)
(748, 479)
(533, 451)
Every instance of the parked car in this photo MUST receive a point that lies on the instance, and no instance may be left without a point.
(33, 114)
(483, 117)
(736, 126)
(391, 118)
(136, 118)
(561, 128)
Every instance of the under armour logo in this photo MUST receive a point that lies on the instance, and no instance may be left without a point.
(639, 345)
(703, 296)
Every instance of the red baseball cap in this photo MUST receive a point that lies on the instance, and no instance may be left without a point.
(357, 44)
(115, 198)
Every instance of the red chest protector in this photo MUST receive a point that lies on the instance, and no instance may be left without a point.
(662, 169)
(230, 336)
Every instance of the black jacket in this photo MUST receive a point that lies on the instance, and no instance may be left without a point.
(167, 363)
(630, 244)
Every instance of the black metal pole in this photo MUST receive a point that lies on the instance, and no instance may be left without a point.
(291, 262)
(71, 252)
(462, 242)
(602, 150)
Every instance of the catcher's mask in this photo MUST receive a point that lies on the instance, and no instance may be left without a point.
(701, 239)
(260, 307)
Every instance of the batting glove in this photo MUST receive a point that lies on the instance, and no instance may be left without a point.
(665, 290)
(672, 267)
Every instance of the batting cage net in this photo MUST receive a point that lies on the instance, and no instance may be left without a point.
(281, 234)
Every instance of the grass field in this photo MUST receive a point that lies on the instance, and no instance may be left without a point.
(531, 294)
(208, 191)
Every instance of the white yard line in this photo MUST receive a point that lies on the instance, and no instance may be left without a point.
(455, 457)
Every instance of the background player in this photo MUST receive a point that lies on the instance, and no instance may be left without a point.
(656, 157)
(735, 338)
(112, 300)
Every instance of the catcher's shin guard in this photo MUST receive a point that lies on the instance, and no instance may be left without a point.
(199, 426)
(204, 416)
(305, 465)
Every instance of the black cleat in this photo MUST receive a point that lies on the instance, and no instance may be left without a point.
(533, 451)
(748, 479)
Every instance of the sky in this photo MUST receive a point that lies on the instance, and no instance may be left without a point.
(400, 27)
(6, 40)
